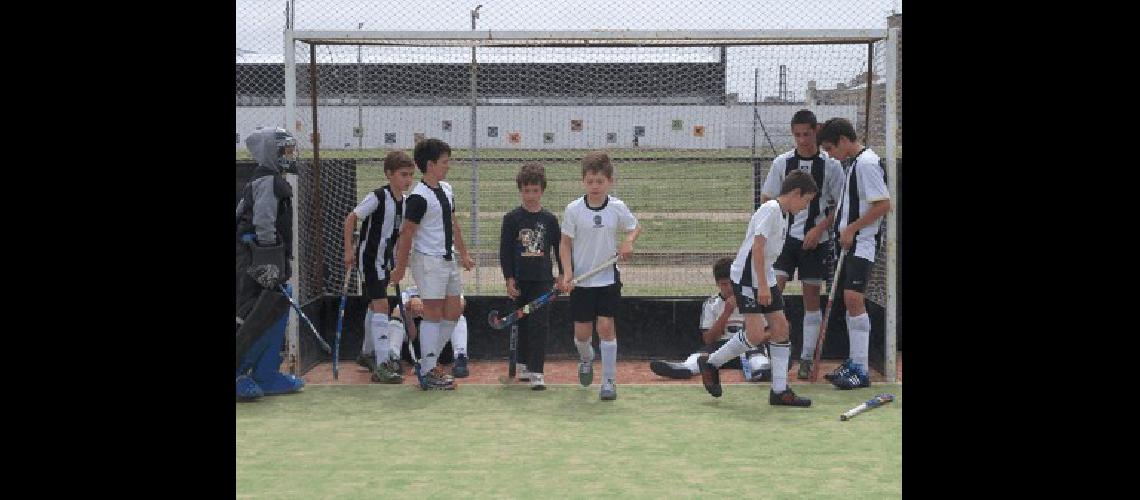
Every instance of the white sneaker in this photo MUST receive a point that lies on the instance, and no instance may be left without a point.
(536, 382)
(523, 374)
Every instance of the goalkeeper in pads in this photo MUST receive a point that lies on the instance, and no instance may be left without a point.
(264, 249)
(720, 320)
(754, 284)
(381, 211)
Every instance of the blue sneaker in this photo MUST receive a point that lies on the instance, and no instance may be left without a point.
(856, 377)
(247, 389)
(840, 371)
(278, 383)
(459, 370)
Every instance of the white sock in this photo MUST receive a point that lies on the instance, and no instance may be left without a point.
(780, 355)
(691, 363)
(379, 328)
(585, 350)
(459, 337)
(812, 319)
(609, 359)
(429, 342)
(732, 349)
(859, 334)
(396, 337)
(368, 348)
(446, 329)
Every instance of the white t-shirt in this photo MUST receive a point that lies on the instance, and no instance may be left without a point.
(712, 310)
(864, 185)
(594, 230)
(829, 192)
(431, 235)
(771, 222)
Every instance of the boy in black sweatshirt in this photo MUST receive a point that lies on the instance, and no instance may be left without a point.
(529, 234)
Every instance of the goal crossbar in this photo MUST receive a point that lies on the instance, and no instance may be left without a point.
(586, 38)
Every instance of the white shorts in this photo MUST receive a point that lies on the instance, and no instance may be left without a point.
(435, 277)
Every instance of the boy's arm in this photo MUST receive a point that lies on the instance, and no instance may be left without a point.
(403, 249)
(567, 263)
(464, 258)
(878, 209)
(349, 228)
(507, 255)
(765, 297)
(627, 245)
(557, 247)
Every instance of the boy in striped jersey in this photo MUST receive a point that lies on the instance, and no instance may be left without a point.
(430, 229)
(382, 212)
(807, 240)
(860, 214)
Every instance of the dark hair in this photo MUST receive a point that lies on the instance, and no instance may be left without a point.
(598, 162)
(396, 160)
(804, 117)
(835, 128)
(430, 150)
(531, 174)
(799, 179)
(721, 268)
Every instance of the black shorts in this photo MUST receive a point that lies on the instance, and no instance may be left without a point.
(587, 303)
(856, 271)
(809, 262)
(374, 287)
(746, 300)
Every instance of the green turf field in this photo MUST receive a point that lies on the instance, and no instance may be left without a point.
(369, 441)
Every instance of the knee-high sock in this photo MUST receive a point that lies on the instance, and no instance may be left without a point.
(429, 344)
(691, 363)
(735, 346)
(396, 337)
(380, 338)
(780, 354)
(609, 359)
(459, 337)
(585, 350)
(859, 333)
(446, 329)
(369, 344)
(812, 320)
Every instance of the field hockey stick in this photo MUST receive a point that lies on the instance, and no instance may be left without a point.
(340, 322)
(324, 345)
(872, 403)
(511, 318)
(512, 360)
(408, 335)
(834, 287)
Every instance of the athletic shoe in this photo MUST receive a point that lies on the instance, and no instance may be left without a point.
(609, 391)
(762, 376)
(523, 373)
(536, 382)
(247, 389)
(710, 376)
(394, 366)
(433, 381)
(384, 375)
(586, 373)
(460, 368)
(856, 377)
(840, 371)
(805, 369)
(367, 360)
(670, 369)
(787, 398)
(439, 372)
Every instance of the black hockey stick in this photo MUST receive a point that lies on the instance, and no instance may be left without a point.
(513, 317)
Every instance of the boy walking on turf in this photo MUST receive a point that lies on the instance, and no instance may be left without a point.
(589, 238)
(382, 211)
(753, 282)
(429, 237)
(868, 201)
(529, 234)
(806, 243)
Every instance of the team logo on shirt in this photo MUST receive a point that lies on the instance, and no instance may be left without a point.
(598, 221)
(532, 240)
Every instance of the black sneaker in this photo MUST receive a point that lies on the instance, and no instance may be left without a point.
(366, 360)
(670, 369)
(710, 376)
(842, 371)
(460, 368)
(787, 398)
(433, 381)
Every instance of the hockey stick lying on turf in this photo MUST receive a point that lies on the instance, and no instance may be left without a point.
(340, 322)
(511, 318)
(324, 345)
(874, 402)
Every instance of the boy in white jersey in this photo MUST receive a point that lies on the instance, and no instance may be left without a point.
(860, 214)
(720, 320)
(430, 229)
(806, 244)
(753, 281)
(382, 211)
(589, 238)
